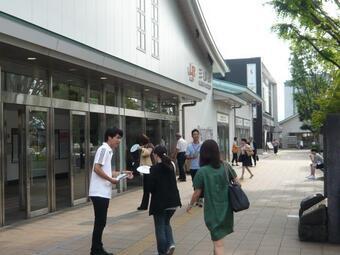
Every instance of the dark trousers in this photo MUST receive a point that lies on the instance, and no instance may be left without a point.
(163, 230)
(181, 160)
(100, 206)
(193, 172)
(146, 195)
(254, 157)
(234, 158)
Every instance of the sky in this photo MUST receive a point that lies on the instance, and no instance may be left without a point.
(242, 29)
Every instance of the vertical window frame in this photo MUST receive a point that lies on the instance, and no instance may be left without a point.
(155, 29)
(141, 26)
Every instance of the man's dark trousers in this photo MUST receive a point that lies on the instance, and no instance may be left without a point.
(100, 205)
(181, 160)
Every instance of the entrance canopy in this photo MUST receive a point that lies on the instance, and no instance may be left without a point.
(233, 93)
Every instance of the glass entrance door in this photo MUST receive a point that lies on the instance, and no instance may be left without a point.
(79, 174)
(37, 160)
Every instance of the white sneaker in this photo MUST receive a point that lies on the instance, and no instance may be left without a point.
(171, 250)
(311, 177)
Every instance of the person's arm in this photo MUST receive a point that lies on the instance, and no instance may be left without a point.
(128, 173)
(194, 199)
(99, 171)
(146, 152)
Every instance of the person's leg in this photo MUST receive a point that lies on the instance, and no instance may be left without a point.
(312, 170)
(241, 178)
(233, 159)
(168, 231)
(254, 158)
(218, 247)
(100, 206)
(251, 174)
(181, 161)
(146, 195)
(161, 239)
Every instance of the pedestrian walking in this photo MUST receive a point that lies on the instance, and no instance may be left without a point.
(276, 146)
(245, 157)
(235, 150)
(317, 163)
(211, 178)
(193, 154)
(146, 159)
(180, 151)
(253, 146)
(100, 192)
(164, 199)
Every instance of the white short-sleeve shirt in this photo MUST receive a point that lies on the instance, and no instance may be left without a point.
(100, 187)
(181, 145)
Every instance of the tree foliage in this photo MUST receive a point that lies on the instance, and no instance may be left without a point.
(313, 29)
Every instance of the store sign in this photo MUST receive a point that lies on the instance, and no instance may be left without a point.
(239, 122)
(222, 118)
(246, 123)
(191, 72)
(204, 78)
(251, 77)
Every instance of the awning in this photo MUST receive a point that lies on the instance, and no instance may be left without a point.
(234, 93)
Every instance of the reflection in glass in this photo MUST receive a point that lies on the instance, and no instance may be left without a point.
(69, 88)
(96, 133)
(96, 94)
(25, 84)
(151, 102)
(169, 104)
(37, 149)
(133, 99)
(113, 121)
(153, 128)
(78, 156)
(111, 98)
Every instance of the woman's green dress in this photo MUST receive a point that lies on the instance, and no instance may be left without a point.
(218, 215)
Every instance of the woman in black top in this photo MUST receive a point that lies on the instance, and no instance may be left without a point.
(164, 199)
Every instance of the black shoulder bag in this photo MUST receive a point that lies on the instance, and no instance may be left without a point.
(237, 198)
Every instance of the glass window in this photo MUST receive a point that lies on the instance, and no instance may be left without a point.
(141, 45)
(151, 101)
(133, 99)
(96, 94)
(155, 30)
(69, 88)
(111, 99)
(169, 104)
(26, 84)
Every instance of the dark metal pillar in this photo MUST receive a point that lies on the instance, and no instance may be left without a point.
(332, 163)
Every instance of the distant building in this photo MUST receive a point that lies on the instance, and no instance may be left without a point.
(292, 136)
(253, 74)
(290, 105)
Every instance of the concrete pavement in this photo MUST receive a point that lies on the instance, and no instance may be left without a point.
(269, 227)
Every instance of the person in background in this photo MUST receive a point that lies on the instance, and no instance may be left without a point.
(245, 157)
(276, 146)
(165, 199)
(100, 192)
(234, 150)
(146, 159)
(317, 163)
(253, 146)
(179, 154)
(193, 154)
(212, 178)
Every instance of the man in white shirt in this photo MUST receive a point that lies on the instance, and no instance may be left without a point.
(317, 163)
(101, 182)
(181, 148)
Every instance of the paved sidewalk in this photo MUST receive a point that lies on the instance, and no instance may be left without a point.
(269, 227)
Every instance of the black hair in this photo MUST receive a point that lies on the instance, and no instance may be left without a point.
(210, 154)
(314, 150)
(143, 139)
(194, 130)
(161, 152)
(235, 138)
(244, 140)
(112, 132)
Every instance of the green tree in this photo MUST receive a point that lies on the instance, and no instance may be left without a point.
(313, 29)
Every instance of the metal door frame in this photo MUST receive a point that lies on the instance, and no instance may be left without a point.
(84, 199)
(45, 210)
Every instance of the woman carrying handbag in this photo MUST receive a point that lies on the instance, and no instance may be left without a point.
(218, 213)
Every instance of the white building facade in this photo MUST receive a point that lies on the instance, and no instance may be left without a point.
(69, 69)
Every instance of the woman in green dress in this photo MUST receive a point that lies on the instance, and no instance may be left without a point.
(212, 178)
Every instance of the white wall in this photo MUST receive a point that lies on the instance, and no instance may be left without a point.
(111, 27)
